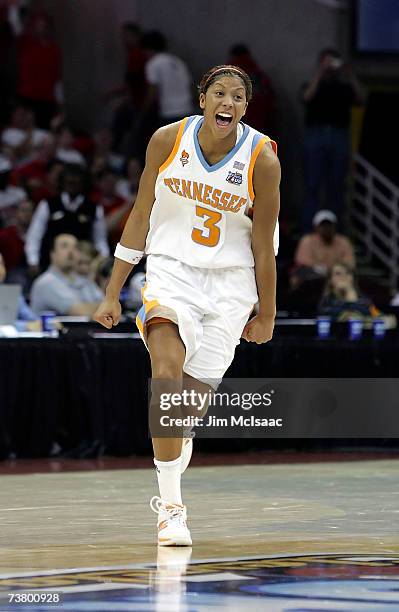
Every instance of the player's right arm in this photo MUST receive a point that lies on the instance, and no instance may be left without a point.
(136, 228)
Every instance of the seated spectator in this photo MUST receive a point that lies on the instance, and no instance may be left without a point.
(103, 157)
(3, 271)
(47, 185)
(65, 150)
(127, 188)
(136, 285)
(104, 192)
(87, 257)
(60, 288)
(317, 252)
(71, 212)
(21, 140)
(37, 176)
(10, 196)
(342, 300)
(12, 244)
(27, 320)
(102, 272)
(115, 207)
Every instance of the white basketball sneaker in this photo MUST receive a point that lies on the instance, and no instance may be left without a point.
(186, 452)
(172, 526)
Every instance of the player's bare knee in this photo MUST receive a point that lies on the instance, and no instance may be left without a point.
(169, 369)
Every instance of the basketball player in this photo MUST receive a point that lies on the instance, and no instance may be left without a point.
(208, 263)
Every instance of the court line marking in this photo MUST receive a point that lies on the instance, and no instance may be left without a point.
(100, 586)
(32, 508)
(217, 577)
(151, 565)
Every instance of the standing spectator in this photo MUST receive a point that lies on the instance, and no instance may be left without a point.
(135, 61)
(8, 64)
(134, 76)
(328, 99)
(169, 80)
(12, 244)
(261, 113)
(60, 288)
(319, 251)
(10, 196)
(39, 69)
(71, 212)
(133, 91)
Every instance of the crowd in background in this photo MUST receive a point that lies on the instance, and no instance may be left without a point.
(65, 196)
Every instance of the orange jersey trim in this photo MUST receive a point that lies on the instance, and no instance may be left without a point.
(176, 146)
(254, 157)
(140, 325)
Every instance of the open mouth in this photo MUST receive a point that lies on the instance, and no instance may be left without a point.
(223, 119)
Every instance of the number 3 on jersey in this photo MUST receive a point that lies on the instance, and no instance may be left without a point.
(210, 234)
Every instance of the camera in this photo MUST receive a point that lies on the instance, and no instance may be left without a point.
(336, 63)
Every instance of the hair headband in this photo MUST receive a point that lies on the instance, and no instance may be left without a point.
(223, 69)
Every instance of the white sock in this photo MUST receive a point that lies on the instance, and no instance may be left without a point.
(169, 476)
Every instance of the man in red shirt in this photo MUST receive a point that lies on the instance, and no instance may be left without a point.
(39, 69)
(261, 113)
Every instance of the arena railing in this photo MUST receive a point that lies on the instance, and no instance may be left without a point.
(374, 215)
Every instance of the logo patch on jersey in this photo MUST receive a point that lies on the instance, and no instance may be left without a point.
(234, 177)
(238, 165)
(184, 158)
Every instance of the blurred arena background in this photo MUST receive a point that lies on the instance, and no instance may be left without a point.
(82, 87)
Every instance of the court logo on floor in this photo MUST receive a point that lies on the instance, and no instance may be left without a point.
(329, 582)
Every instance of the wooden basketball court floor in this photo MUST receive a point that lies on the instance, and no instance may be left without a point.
(90, 535)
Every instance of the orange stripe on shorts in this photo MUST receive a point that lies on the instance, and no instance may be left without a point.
(158, 320)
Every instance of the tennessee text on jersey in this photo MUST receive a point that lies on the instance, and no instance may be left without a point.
(200, 192)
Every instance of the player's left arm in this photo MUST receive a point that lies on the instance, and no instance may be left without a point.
(266, 182)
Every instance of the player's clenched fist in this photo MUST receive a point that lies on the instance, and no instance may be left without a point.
(259, 329)
(108, 313)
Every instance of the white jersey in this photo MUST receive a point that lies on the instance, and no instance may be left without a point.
(202, 213)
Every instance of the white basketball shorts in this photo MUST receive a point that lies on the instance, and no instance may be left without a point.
(210, 307)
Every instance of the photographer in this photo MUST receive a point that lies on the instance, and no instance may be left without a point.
(328, 98)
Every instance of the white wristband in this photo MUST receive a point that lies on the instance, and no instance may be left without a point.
(130, 255)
